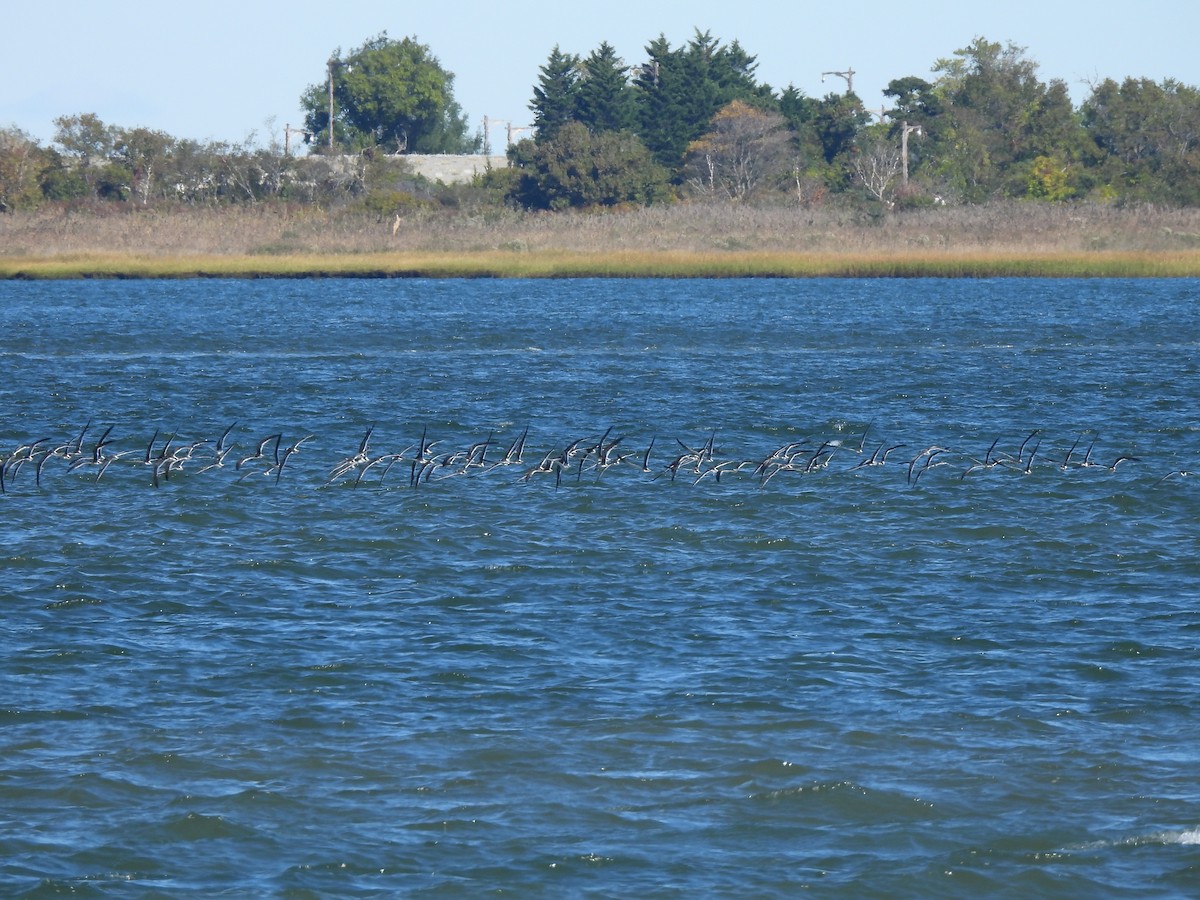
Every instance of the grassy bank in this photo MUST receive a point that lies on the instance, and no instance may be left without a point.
(623, 264)
(676, 241)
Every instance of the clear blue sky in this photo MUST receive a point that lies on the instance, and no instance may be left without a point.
(220, 70)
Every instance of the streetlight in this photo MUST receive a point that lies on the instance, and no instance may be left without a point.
(848, 75)
(905, 129)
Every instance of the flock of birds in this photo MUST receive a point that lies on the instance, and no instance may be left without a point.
(426, 460)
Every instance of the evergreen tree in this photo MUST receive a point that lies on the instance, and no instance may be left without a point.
(556, 95)
(605, 98)
(809, 169)
(915, 100)
(679, 92)
(577, 168)
(657, 86)
(836, 122)
(918, 104)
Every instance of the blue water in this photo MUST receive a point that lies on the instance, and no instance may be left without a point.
(597, 671)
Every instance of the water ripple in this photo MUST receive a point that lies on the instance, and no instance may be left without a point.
(743, 664)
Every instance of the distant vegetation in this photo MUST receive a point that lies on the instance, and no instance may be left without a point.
(684, 123)
(711, 239)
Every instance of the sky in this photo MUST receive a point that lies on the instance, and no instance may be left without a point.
(222, 70)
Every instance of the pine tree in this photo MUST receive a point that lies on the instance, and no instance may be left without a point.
(556, 96)
(605, 96)
(679, 92)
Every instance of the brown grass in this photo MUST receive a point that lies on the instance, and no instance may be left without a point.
(683, 239)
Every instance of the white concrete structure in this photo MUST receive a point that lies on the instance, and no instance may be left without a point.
(450, 169)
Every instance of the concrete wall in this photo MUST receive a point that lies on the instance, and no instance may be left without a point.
(452, 169)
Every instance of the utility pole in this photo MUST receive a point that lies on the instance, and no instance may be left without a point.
(288, 131)
(488, 122)
(905, 130)
(848, 75)
(332, 64)
(512, 132)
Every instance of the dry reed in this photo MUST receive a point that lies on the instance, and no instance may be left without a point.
(677, 240)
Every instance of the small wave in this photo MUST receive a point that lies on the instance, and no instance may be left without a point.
(1190, 836)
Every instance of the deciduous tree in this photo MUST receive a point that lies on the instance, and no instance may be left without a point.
(1148, 137)
(877, 163)
(392, 94)
(143, 153)
(88, 143)
(745, 151)
(1001, 118)
(22, 162)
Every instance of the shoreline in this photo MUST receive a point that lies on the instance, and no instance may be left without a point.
(619, 264)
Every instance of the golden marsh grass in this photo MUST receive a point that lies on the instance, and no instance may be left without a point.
(625, 264)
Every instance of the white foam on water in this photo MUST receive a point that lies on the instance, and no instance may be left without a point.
(1190, 836)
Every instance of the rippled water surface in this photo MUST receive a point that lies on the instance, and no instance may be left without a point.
(600, 588)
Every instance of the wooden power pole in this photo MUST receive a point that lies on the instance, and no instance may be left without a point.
(905, 130)
(848, 75)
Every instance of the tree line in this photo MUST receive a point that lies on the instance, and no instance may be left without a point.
(691, 121)
(986, 126)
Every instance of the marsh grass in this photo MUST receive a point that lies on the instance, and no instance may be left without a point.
(670, 241)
